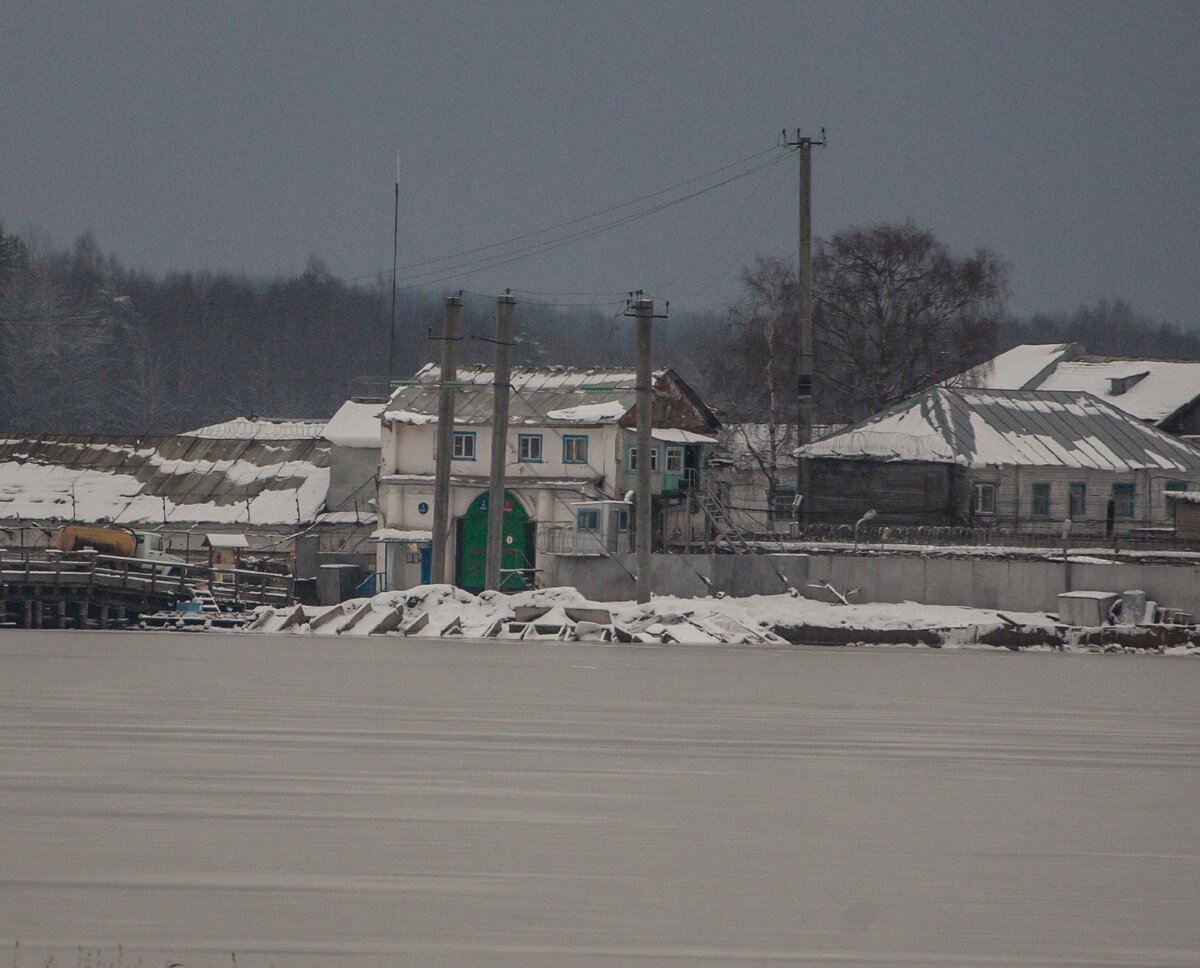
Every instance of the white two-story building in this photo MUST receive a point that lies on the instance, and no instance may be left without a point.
(571, 439)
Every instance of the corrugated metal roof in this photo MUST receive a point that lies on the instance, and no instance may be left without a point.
(1026, 427)
(540, 395)
(260, 428)
(184, 479)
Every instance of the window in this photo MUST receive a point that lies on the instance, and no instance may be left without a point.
(985, 498)
(1040, 504)
(1122, 495)
(674, 460)
(529, 448)
(632, 462)
(575, 449)
(1176, 486)
(587, 519)
(464, 445)
(784, 498)
(1078, 500)
(622, 520)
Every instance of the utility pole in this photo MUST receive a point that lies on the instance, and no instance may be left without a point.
(395, 245)
(643, 312)
(804, 378)
(452, 314)
(502, 387)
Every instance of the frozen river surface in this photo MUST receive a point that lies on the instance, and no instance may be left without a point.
(305, 802)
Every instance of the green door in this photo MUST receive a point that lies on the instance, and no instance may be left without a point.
(472, 545)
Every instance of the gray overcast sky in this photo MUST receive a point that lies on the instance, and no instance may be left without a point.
(1061, 135)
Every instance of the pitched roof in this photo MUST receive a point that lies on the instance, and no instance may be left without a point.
(1161, 389)
(975, 428)
(260, 428)
(1021, 368)
(540, 395)
(1166, 387)
(356, 424)
(183, 479)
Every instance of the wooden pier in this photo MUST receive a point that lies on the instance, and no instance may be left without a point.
(49, 589)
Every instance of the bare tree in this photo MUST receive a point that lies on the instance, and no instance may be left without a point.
(896, 312)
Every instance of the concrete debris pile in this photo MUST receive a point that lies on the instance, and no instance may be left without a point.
(440, 611)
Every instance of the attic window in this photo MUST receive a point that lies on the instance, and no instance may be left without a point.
(1122, 383)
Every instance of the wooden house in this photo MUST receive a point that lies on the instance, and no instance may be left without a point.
(1018, 460)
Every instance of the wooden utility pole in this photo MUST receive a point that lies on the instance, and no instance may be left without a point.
(502, 387)
(804, 378)
(452, 314)
(643, 312)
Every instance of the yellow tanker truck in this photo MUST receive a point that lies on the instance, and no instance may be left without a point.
(119, 541)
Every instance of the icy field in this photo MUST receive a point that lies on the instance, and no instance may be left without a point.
(307, 801)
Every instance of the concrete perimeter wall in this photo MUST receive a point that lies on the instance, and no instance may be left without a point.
(611, 579)
(1025, 586)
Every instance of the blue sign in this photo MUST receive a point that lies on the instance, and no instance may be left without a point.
(423, 508)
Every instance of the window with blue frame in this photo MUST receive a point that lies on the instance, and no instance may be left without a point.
(631, 459)
(1123, 500)
(587, 519)
(575, 448)
(464, 445)
(529, 448)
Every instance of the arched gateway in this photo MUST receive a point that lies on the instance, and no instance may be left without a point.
(471, 564)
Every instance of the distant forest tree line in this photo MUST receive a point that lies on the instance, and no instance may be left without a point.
(89, 345)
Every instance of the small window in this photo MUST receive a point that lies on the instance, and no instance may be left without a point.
(587, 519)
(674, 460)
(622, 520)
(575, 449)
(985, 498)
(1040, 504)
(632, 462)
(1123, 495)
(529, 448)
(1078, 500)
(1176, 486)
(464, 445)
(784, 498)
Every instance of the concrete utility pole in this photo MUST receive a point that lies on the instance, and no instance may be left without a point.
(804, 378)
(643, 311)
(502, 384)
(452, 313)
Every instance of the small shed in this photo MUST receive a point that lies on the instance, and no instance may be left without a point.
(1186, 507)
(225, 550)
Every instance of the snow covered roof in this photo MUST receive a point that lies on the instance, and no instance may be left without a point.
(540, 396)
(1160, 387)
(1038, 428)
(183, 479)
(396, 534)
(356, 424)
(672, 436)
(234, 541)
(740, 442)
(1148, 389)
(1188, 497)
(1021, 368)
(260, 428)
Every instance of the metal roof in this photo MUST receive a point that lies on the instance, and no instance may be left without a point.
(1042, 428)
(540, 395)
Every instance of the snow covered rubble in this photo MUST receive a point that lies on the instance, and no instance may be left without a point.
(432, 611)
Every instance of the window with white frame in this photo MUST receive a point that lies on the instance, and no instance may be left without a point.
(985, 497)
(674, 460)
(631, 463)
(529, 448)
(464, 445)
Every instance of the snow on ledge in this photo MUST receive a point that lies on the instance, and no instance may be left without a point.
(396, 534)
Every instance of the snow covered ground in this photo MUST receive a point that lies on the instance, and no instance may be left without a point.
(313, 802)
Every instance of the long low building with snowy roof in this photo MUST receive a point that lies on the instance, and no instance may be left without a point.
(1021, 460)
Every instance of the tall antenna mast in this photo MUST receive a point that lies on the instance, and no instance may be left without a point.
(395, 243)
